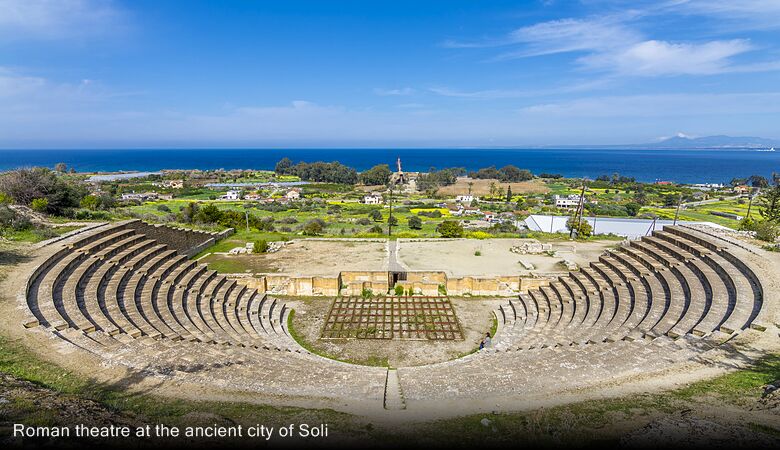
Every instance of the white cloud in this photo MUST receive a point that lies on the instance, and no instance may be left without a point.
(25, 19)
(394, 92)
(569, 35)
(13, 84)
(661, 105)
(651, 58)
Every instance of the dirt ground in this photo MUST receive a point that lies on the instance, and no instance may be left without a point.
(475, 317)
(482, 187)
(306, 257)
(458, 257)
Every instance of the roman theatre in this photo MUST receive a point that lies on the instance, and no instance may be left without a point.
(126, 303)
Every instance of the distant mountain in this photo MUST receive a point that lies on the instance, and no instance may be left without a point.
(725, 142)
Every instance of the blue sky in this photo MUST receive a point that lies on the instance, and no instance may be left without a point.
(121, 74)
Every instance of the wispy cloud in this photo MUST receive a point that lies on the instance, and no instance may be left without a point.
(489, 94)
(50, 19)
(652, 58)
(394, 92)
(614, 44)
(660, 105)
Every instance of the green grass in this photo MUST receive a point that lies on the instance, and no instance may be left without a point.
(371, 360)
(35, 235)
(16, 360)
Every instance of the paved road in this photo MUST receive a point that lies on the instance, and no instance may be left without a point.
(392, 257)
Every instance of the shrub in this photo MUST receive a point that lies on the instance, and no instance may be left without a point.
(375, 215)
(442, 289)
(582, 229)
(261, 246)
(367, 293)
(39, 204)
(435, 214)
(313, 227)
(363, 221)
(392, 221)
(376, 229)
(478, 253)
(399, 290)
(479, 235)
(163, 208)
(767, 230)
(450, 229)
(415, 223)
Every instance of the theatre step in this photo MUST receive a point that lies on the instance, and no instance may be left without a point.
(394, 396)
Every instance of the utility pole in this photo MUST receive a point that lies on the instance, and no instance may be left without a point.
(679, 204)
(750, 202)
(390, 217)
(580, 208)
(246, 215)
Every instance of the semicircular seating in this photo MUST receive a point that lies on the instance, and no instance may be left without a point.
(676, 283)
(129, 293)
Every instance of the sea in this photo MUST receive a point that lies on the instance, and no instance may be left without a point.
(647, 165)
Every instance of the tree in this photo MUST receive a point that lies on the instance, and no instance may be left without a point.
(450, 229)
(283, 166)
(757, 181)
(640, 197)
(377, 175)
(582, 229)
(313, 228)
(509, 193)
(24, 185)
(632, 209)
(769, 204)
(510, 173)
(90, 202)
(375, 215)
(415, 223)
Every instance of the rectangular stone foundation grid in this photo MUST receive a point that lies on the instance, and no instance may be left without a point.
(416, 318)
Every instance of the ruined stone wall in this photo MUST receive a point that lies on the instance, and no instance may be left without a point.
(186, 242)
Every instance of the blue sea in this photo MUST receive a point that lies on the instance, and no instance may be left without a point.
(683, 166)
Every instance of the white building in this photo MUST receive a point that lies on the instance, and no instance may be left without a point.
(141, 196)
(232, 195)
(566, 201)
(374, 198)
(464, 199)
(293, 194)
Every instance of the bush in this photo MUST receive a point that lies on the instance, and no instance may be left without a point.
(313, 227)
(363, 221)
(375, 215)
(582, 229)
(376, 229)
(392, 221)
(415, 223)
(26, 185)
(768, 231)
(261, 246)
(399, 290)
(450, 229)
(367, 293)
(163, 208)
(39, 204)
